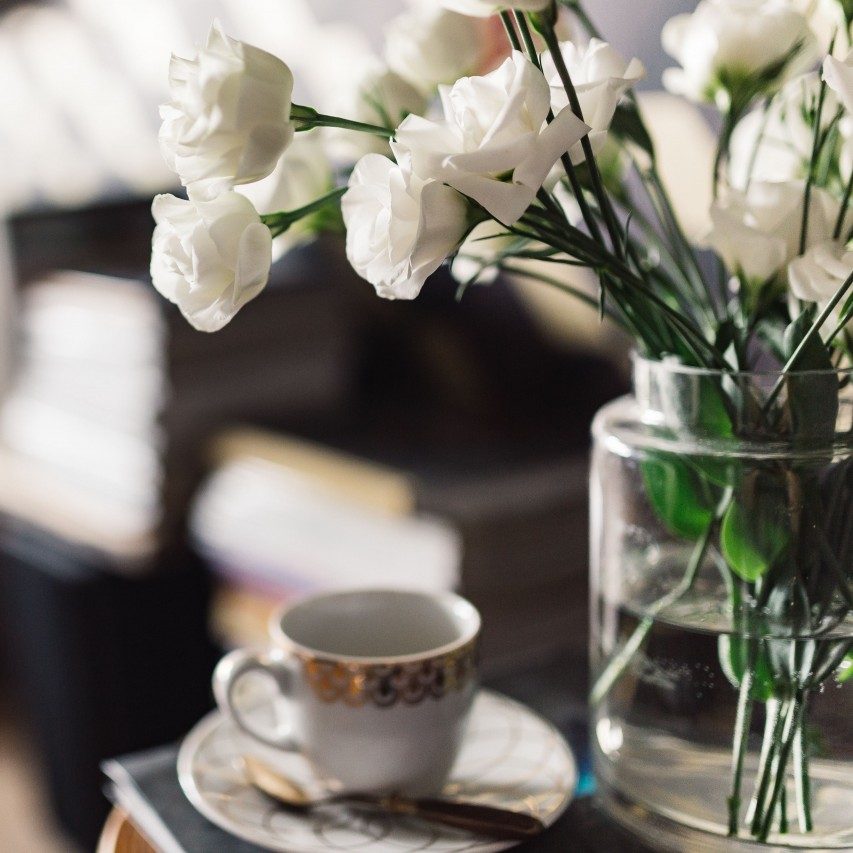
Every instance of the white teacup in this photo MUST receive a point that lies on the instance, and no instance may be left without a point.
(377, 685)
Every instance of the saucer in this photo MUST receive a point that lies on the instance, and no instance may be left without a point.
(511, 757)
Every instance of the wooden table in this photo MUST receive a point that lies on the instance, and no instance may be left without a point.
(120, 835)
(584, 832)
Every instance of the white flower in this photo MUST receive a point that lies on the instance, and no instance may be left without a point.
(494, 145)
(428, 45)
(400, 229)
(776, 144)
(725, 44)
(839, 77)
(210, 257)
(483, 8)
(817, 275)
(303, 174)
(229, 119)
(827, 22)
(600, 76)
(758, 232)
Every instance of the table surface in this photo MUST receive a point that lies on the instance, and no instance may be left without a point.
(584, 828)
(120, 835)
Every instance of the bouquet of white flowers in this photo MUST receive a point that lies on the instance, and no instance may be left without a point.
(529, 154)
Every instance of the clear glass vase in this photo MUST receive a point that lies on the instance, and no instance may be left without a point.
(722, 609)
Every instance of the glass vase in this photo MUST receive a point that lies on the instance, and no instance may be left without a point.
(722, 609)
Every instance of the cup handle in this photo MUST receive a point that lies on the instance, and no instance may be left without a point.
(228, 673)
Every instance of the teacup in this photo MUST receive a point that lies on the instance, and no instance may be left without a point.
(377, 685)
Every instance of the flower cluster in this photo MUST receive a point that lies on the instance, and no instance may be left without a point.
(492, 146)
(464, 149)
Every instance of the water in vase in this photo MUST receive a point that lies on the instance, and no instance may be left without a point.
(665, 724)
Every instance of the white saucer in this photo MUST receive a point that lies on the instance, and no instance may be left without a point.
(512, 757)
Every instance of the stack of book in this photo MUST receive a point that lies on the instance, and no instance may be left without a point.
(113, 395)
(80, 439)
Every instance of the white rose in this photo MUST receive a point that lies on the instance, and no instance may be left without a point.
(839, 77)
(775, 144)
(229, 118)
(484, 8)
(302, 175)
(494, 145)
(428, 45)
(827, 22)
(758, 232)
(724, 42)
(210, 257)
(600, 77)
(817, 275)
(399, 229)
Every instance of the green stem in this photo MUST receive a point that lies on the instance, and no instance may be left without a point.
(769, 745)
(279, 222)
(801, 775)
(814, 329)
(628, 289)
(604, 205)
(742, 721)
(829, 662)
(730, 120)
(831, 560)
(692, 271)
(307, 118)
(576, 292)
(842, 210)
(527, 38)
(565, 160)
(807, 192)
(511, 34)
(792, 721)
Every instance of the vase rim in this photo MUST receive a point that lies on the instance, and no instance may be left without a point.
(671, 364)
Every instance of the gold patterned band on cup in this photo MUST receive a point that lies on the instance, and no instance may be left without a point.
(385, 685)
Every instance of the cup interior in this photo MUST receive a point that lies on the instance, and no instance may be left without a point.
(383, 624)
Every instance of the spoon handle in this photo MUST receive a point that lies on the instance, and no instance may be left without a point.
(474, 817)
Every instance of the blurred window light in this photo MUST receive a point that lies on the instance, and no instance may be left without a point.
(48, 163)
(100, 108)
(140, 36)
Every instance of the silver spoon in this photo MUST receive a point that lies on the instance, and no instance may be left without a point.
(485, 820)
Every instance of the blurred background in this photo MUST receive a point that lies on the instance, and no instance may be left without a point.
(161, 488)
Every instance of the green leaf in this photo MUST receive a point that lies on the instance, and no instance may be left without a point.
(787, 613)
(699, 409)
(812, 400)
(683, 500)
(727, 334)
(733, 652)
(845, 668)
(699, 405)
(814, 355)
(752, 534)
